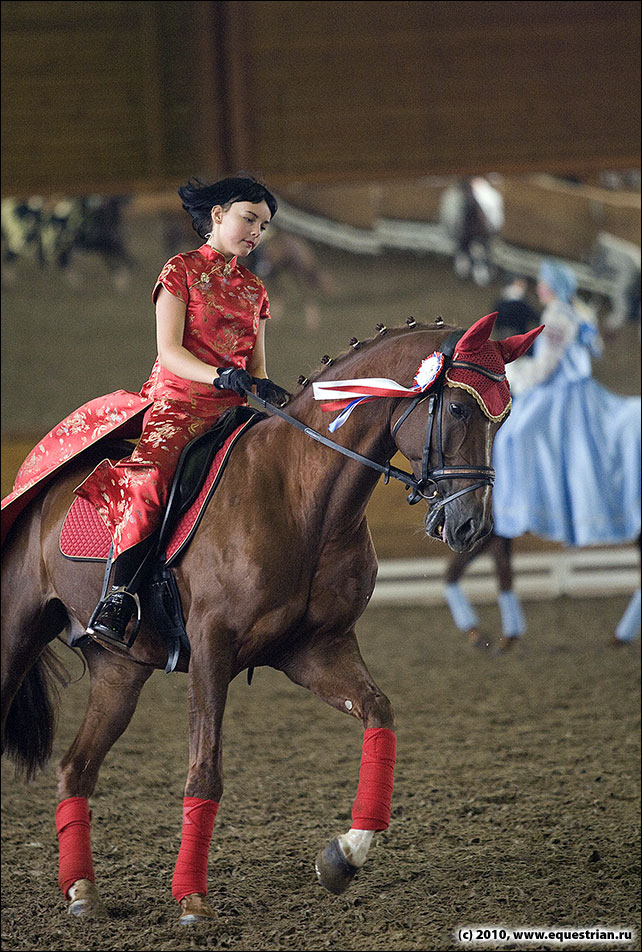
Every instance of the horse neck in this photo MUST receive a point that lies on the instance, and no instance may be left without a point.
(333, 486)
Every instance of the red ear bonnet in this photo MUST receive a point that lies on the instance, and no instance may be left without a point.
(514, 347)
(478, 365)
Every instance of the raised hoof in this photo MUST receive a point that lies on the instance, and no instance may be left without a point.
(84, 901)
(334, 872)
(195, 908)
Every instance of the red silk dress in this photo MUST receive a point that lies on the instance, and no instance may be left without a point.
(225, 303)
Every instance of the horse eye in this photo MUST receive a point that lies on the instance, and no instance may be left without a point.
(458, 410)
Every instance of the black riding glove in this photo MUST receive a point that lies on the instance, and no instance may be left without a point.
(269, 391)
(233, 378)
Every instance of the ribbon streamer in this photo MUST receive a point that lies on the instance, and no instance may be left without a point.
(345, 395)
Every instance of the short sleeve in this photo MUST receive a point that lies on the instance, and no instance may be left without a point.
(264, 313)
(173, 278)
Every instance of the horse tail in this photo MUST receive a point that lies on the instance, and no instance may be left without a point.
(33, 715)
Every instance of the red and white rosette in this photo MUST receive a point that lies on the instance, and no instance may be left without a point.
(345, 395)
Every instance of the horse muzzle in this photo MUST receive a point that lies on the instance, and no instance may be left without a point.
(458, 521)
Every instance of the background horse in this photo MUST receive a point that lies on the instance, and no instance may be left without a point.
(52, 232)
(279, 571)
(471, 214)
(500, 550)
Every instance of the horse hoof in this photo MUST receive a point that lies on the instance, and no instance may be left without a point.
(506, 643)
(615, 642)
(333, 870)
(195, 908)
(477, 639)
(84, 901)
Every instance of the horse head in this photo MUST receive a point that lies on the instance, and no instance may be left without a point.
(446, 430)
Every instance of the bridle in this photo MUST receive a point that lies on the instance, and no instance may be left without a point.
(430, 476)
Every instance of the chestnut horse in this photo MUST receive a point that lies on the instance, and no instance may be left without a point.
(280, 569)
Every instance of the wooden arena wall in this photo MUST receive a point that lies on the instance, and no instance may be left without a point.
(127, 96)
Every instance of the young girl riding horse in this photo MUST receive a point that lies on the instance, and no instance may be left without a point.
(210, 323)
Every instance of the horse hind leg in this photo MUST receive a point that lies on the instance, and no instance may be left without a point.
(115, 688)
(334, 671)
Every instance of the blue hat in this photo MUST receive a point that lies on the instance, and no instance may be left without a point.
(559, 278)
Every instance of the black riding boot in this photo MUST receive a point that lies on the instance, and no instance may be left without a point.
(115, 612)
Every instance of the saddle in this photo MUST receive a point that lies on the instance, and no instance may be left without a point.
(84, 536)
(194, 466)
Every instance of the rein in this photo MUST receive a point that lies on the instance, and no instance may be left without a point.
(484, 475)
(389, 472)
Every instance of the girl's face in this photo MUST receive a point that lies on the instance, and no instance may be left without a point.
(238, 230)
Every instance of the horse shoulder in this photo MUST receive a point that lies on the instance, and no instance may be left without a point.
(344, 579)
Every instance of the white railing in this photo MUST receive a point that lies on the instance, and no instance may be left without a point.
(582, 573)
(426, 237)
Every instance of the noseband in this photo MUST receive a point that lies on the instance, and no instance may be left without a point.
(431, 477)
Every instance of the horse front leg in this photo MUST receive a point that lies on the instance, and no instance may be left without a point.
(334, 670)
(461, 609)
(209, 678)
(115, 688)
(510, 608)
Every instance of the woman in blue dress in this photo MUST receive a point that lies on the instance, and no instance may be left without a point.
(567, 460)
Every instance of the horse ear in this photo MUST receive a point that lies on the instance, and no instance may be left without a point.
(477, 335)
(514, 347)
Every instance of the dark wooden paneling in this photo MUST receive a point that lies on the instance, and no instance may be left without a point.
(113, 96)
(103, 96)
(385, 89)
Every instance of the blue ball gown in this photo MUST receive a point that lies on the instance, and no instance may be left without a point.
(567, 459)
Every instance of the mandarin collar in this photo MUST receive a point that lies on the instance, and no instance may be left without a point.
(208, 252)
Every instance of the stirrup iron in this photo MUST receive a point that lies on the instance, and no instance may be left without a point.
(119, 590)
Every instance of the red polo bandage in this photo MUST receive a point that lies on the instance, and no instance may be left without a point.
(72, 823)
(190, 873)
(371, 809)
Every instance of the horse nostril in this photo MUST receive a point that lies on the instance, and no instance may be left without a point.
(466, 532)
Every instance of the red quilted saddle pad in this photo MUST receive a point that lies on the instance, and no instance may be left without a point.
(84, 535)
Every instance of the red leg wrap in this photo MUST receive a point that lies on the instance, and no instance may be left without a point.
(190, 873)
(72, 823)
(371, 809)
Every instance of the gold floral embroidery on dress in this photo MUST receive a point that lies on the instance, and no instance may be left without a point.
(204, 280)
(220, 269)
(230, 339)
(166, 270)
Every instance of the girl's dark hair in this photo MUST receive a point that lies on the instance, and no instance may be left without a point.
(199, 198)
